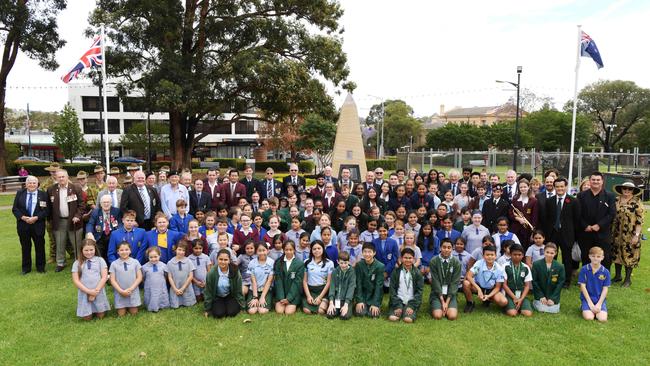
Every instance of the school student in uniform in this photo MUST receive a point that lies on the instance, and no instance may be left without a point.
(289, 272)
(223, 289)
(594, 280)
(125, 279)
(127, 232)
(181, 219)
(446, 231)
(260, 268)
(485, 278)
(463, 257)
(317, 280)
(89, 275)
(154, 276)
(160, 237)
(406, 287)
(342, 287)
(517, 284)
(180, 272)
(387, 252)
(445, 271)
(370, 279)
(548, 279)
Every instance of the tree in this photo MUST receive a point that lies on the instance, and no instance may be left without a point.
(281, 136)
(530, 102)
(400, 124)
(608, 103)
(549, 130)
(198, 59)
(95, 147)
(451, 136)
(67, 134)
(32, 29)
(317, 134)
(137, 141)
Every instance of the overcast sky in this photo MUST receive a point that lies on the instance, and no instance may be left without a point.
(430, 53)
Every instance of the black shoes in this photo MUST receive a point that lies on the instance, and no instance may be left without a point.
(59, 269)
(25, 272)
(469, 307)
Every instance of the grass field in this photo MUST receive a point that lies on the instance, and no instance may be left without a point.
(38, 326)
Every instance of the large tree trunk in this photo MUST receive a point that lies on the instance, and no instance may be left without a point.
(9, 53)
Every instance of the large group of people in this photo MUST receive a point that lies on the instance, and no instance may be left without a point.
(239, 243)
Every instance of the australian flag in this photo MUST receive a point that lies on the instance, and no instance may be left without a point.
(588, 48)
(92, 57)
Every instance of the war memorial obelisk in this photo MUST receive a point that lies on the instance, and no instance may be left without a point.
(348, 145)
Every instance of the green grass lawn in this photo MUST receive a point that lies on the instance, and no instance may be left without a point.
(39, 326)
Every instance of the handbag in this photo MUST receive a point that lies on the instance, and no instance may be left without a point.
(576, 255)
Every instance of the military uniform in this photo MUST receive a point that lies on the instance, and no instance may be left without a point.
(49, 182)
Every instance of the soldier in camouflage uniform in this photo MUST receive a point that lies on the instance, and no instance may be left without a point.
(100, 175)
(89, 194)
(50, 181)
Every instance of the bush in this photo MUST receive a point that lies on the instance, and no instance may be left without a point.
(281, 166)
(388, 163)
(225, 163)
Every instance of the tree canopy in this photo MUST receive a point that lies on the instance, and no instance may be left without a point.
(67, 134)
(400, 124)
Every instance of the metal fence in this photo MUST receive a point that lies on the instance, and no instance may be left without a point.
(529, 161)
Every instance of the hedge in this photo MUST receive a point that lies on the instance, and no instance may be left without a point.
(387, 164)
(281, 166)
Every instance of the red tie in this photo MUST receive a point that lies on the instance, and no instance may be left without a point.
(107, 227)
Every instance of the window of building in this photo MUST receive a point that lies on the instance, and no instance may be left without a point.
(94, 104)
(95, 126)
(245, 127)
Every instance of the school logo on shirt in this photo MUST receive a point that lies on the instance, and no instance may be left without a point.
(554, 278)
(601, 277)
(389, 256)
(293, 275)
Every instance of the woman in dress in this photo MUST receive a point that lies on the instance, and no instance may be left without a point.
(626, 230)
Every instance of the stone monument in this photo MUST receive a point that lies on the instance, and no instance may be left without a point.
(348, 146)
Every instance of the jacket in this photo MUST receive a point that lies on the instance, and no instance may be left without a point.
(210, 291)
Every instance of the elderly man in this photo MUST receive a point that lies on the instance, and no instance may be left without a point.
(30, 209)
(186, 180)
(49, 182)
(370, 182)
(269, 187)
(66, 208)
(293, 179)
(510, 187)
(379, 176)
(112, 191)
(172, 192)
(103, 221)
(142, 199)
(327, 173)
(454, 183)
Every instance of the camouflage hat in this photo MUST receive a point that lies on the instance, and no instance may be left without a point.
(165, 168)
(115, 170)
(98, 169)
(133, 167)
(127, 180)
(53, 167)
(82, 175)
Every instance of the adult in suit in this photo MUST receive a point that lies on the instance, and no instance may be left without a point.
(231, 192)
(510, 186)
(293, 179)
(249, 182)
(494, 208)
(112, 191)
(370, 182)
(31, 211)
(454, 184)
(319, 191)
(269, 187)
(345, 180)
(549, 191)
(102, 222)
(211, 186)
(199, 199)
(561, 224)
(597, 211)
(142, 199)
(66, 208)
(329, 178)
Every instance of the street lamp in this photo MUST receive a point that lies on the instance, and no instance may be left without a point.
(515, 148)
(380, 146)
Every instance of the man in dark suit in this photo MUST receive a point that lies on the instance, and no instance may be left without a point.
(597, 211)
(31, 211)
(142, 199)
(542, 201)
(327, 174)
(102, 222)
(562, 217)
(454, 184)
(345, 180)
(211, 186)
(269, 187)
(199, 199)
(231, 192)
(249, 182)
(293, 179)
(370, 182)
(494, 208)
(66, 208)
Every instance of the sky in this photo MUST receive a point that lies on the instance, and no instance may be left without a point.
(432, 53)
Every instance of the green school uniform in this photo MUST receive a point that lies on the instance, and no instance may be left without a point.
(210, 291)
(515, 280)
(370, 283)
(418, 288)
(288, 283)
(342, 289)
(548, 282)
(440, 278)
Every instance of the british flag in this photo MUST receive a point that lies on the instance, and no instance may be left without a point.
(92, 57)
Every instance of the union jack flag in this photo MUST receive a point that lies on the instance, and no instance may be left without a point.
(92, 57)
(588, 49)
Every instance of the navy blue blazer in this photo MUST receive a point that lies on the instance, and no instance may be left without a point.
(95, 223)
(40, 210)
(151, 240)
(136, 240)
(389, 255)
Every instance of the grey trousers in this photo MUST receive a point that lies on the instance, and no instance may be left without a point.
(61, 236)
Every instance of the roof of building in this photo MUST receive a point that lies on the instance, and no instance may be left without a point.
(472, 111)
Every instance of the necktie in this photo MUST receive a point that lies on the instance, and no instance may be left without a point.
(453, 189)
(114, 199)
(232, 190)
(255, 207)
(541, 251)
(502, 238)
(293, 180)
(445, 267)
(29, 204)
(155, 268)
(126, 267)
(352, 254)
(558, 212)
(476, 231)
(400, 241)
(447, 234)
(89, 266)
(107, 226)
(198, 261)
(180, 266)
(460, 257)
(145, 201)
(269, 189)
(198, 197)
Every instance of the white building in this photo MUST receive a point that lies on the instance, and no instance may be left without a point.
(222, 141)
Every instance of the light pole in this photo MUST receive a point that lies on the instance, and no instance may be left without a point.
(515, 148)
(380, 134)
(609, 128)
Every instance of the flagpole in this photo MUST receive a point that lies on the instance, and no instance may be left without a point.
(104, 77)
(575, 104)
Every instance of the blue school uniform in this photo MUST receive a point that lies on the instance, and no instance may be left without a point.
(355, 253)
(317, 272)
(595, 282)
(427, 254)
(180, 224)
(151, 240)
(261, 271)
(203, 230)
(368, 236)
(387, 253)
(135, 238)
(453, 235)
(464, 260)
(486, 277)
(231, 228)
(399, 240)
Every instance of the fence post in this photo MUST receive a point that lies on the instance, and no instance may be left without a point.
(579, 165)
(532, 161)
(422, 161)
(460, 159)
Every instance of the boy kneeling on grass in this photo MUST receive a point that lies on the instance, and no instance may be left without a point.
(594, 280)
(406, 286)
(485, 278)
(370, 283)
(341, 292)
(445, 271)
(517, 285)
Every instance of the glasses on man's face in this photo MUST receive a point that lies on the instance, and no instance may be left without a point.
(379, 172)
(269, 173)
(293, 170)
